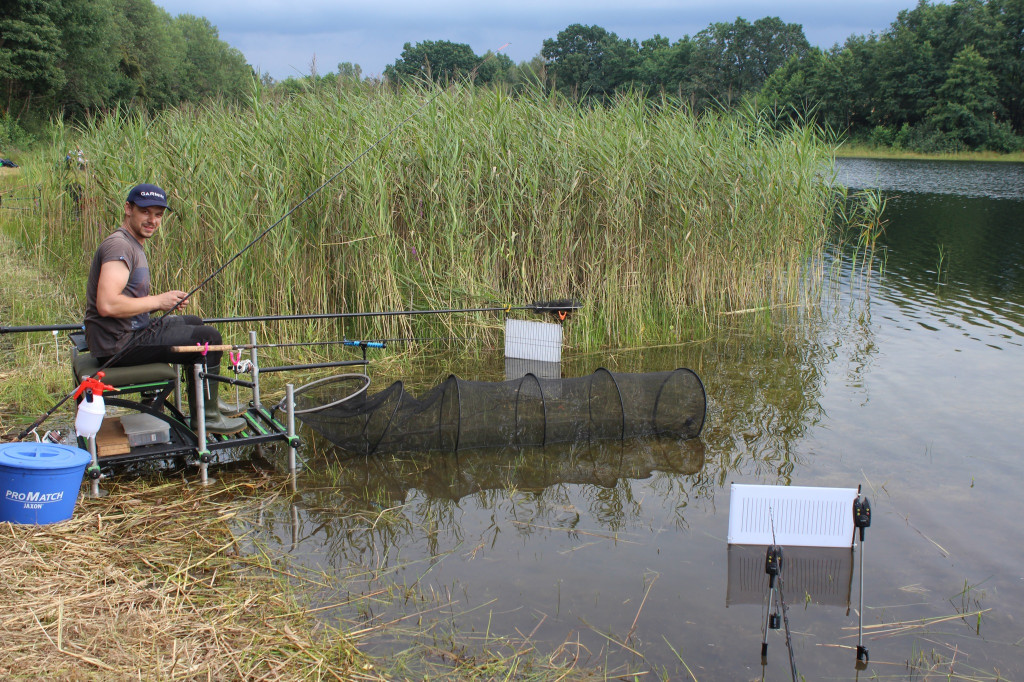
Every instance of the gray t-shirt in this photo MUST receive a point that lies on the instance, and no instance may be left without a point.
(107, 335)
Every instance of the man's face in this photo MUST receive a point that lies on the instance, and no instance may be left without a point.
(143, 221)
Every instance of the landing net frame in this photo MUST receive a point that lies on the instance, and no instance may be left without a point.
(302, 393)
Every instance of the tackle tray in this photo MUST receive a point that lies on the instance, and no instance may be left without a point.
(145, 429)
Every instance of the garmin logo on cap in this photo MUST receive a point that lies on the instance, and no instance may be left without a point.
(152, 194)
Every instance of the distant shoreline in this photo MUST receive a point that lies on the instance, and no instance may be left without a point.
(865, 152)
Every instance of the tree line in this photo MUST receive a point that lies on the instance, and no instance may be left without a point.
(72, 57)
(941, 77)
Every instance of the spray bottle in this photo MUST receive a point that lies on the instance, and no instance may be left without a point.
(91, 410)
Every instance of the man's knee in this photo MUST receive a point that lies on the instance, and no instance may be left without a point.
(213, 334)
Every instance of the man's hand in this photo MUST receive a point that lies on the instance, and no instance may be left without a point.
(167, 300)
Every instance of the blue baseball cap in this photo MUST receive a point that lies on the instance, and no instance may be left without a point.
(147, 195)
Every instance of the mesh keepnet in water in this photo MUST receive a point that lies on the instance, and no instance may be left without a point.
(529, 411)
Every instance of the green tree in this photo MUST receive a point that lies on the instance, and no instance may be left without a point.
(966, 100)
(590, 61)
(350, 71)
(90, 61)
(210, 67)
(906, 77)
(828, 87)
(1007, 62)
(494, 68)
(152, 54)
(665, 67)
(441, 61)
(30, 52)
(736, 58)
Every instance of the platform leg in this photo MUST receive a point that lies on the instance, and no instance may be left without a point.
(94, 471)
(200, 420)
(177, 389)
(290, 404)
(255, 371)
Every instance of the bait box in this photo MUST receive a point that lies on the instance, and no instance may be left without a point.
(145, 429)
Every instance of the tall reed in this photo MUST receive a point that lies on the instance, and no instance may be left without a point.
(655, 219)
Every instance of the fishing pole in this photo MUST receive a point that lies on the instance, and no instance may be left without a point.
(373, 343)
(559, 308)
(151, 329)
(43, 328)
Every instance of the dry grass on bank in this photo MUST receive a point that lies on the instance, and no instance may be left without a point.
(148, 584)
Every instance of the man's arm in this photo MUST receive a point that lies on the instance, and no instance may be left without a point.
(112, 302)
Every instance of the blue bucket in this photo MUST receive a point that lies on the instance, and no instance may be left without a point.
(39, 482)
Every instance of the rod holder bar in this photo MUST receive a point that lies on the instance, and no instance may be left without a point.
(227, 380)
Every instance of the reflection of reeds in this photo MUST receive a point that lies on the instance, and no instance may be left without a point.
(655, 219)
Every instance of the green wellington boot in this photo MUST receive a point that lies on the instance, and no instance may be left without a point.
(216, 422)
(229, 409)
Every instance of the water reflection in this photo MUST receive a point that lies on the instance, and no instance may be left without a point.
(903, 381)
(950, 277)
(387, 504)
(388, 480)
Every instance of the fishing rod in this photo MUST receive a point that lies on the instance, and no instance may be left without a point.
(559, 308)
(43, 328)
(151, 329)
(371, 343)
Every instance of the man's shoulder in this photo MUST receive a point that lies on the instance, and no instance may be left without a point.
(116, 245)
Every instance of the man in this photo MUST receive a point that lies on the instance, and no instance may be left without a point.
(118, 304)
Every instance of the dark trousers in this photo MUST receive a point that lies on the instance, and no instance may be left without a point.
(154, 343)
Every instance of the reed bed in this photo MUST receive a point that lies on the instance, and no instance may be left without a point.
(148, 583)
(655, 219)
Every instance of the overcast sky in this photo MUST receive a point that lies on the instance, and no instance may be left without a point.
(281, 37)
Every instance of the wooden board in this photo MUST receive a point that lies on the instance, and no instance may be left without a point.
(111, 439)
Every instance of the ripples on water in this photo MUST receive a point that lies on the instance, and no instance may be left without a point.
(957, 245)
(994, 180)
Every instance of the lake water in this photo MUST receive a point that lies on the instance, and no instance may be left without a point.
(909, 383)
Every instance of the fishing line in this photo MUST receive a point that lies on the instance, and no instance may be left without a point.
(151, 329)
